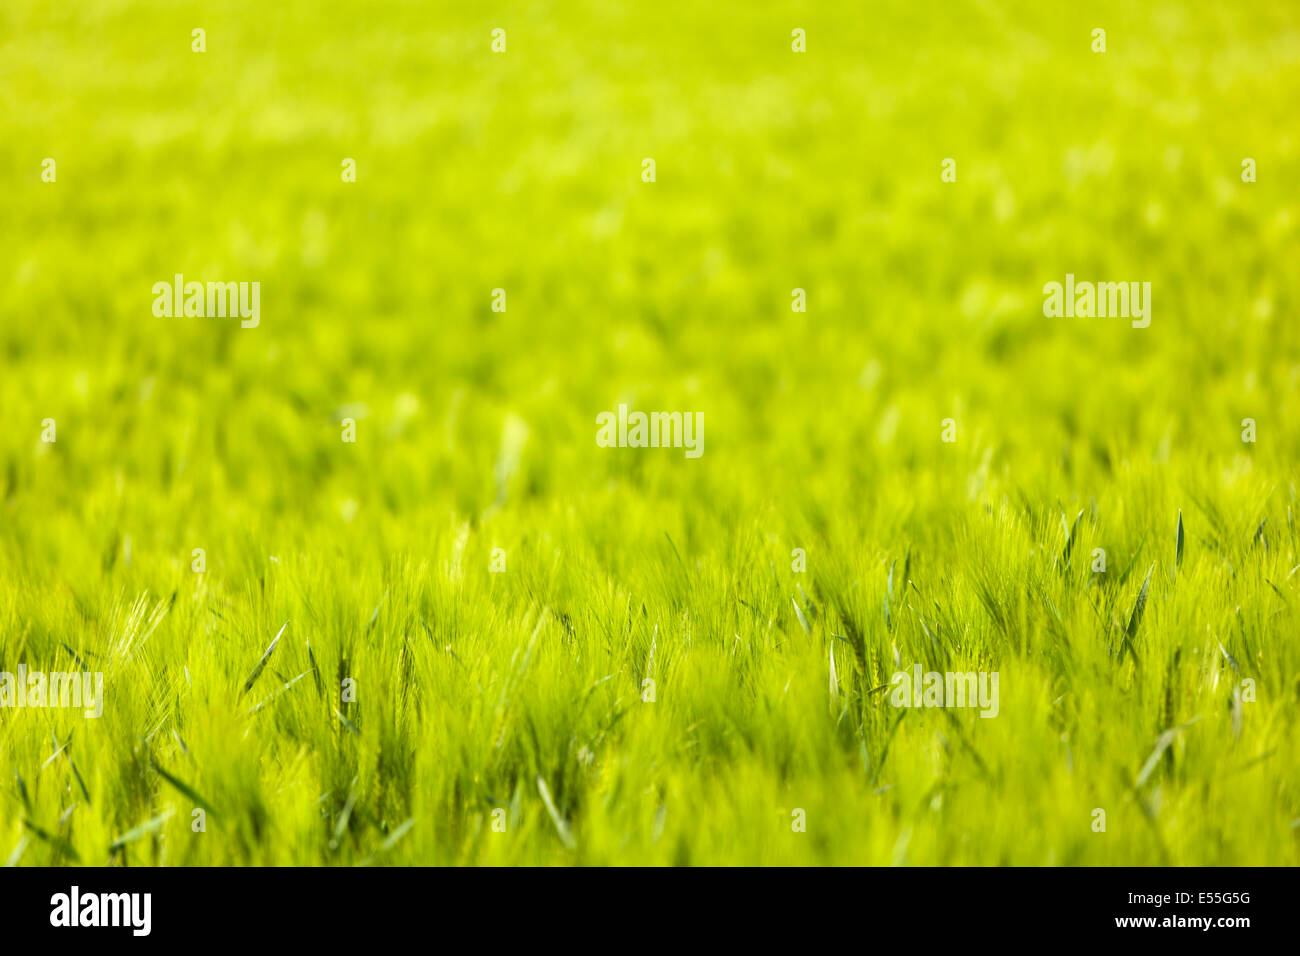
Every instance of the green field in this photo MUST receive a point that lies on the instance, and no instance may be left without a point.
(421, 707)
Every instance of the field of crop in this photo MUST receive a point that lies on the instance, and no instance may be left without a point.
(503, 643)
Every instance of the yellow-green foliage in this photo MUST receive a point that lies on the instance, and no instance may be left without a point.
(475, 431)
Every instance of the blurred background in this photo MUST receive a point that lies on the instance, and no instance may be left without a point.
(521, 171)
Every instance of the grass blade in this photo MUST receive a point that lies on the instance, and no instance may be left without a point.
(566, 837)
(1135, 618)
(1178, 548)
(143, 830)
(261, 665)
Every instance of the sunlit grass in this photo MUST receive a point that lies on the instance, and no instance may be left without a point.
(478, 692)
